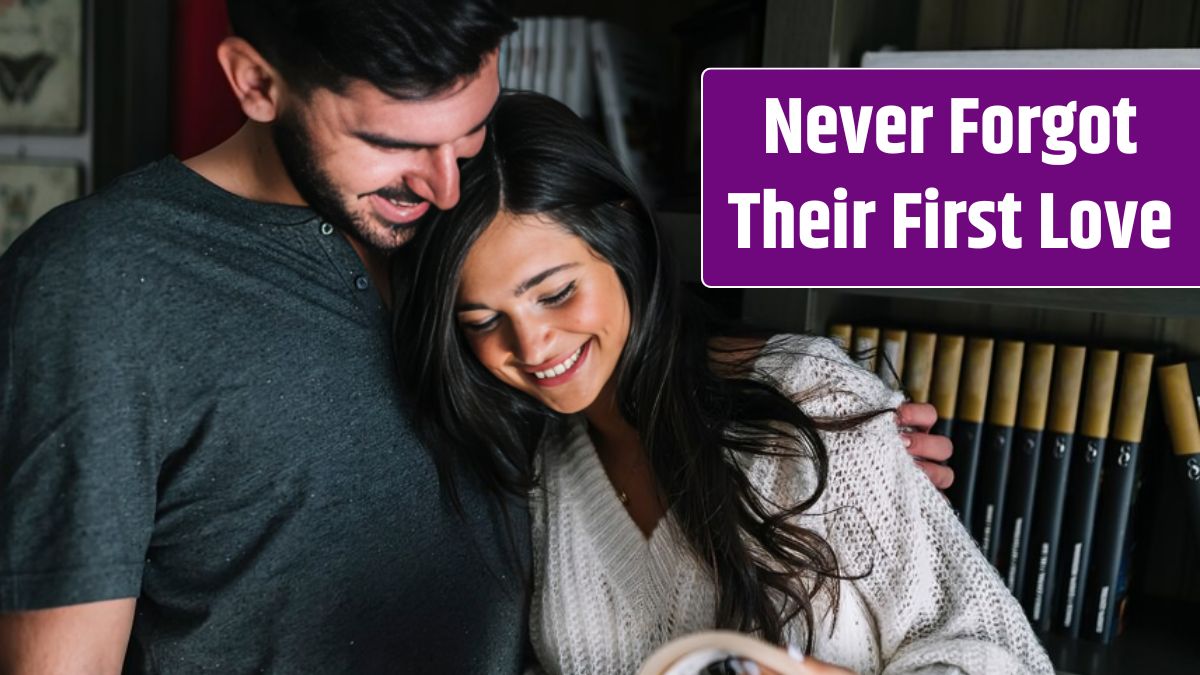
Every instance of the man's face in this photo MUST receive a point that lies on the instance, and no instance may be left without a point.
(374, 165)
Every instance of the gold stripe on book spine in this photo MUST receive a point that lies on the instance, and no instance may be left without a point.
(841, 334)
(1006, 383)
(865, 345)
(1035, 386)
(1130, 416)
(1179, 407)
(1064, 392)
(946, 370)
(892, 345)
(918, 366)
(977, 372)
(1098, 396)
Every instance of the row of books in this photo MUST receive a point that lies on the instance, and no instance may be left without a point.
(582, 62)
(1047, 442)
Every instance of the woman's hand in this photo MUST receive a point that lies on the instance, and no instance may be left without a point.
(929, 451)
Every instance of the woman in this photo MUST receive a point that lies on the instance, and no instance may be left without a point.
(676, 484)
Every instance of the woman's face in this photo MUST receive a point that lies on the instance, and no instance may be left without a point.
(543, 311)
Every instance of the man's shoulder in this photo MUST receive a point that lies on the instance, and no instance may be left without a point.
(124, 226)
(109, 213)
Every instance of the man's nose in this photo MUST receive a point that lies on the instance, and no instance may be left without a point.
(438, 180)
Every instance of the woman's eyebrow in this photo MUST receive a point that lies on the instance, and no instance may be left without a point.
(540, 277)
(521, 287)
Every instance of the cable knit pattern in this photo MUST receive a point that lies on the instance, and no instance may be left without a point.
(605, 596)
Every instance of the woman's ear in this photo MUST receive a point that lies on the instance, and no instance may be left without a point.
(255, 83)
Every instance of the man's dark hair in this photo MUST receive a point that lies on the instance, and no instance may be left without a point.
(406, 48)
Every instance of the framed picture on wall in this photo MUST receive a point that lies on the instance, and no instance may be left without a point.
(41, 65)
(29, 189)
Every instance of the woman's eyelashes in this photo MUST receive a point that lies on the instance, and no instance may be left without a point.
(481, 326)
(554, 300)
(559, 297)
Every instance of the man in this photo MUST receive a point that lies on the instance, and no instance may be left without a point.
(204, 464)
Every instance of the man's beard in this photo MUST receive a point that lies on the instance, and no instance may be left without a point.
(295, 149)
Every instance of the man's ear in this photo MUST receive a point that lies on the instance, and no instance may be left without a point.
(255, 83)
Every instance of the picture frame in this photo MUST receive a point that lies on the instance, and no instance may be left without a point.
(29, 189)
(41, 66)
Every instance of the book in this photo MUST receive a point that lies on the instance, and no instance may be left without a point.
(1180, 387)
(1103, 595)
(632, 79)
(1041, 554)
(556, 69)
(918, 365)
(697, 653)
(1023, 466)
(842, 333)
(541, 55)
(1083, 488)
(996, 446)
(580, 93)
(865, 346)
(890, 362)
(968, 425)
(516, 56)
(943, 392)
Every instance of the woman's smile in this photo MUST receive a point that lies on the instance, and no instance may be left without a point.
(562, 371)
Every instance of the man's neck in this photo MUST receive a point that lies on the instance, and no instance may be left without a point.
(248, 165)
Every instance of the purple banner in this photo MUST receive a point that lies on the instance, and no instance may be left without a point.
(852, 177)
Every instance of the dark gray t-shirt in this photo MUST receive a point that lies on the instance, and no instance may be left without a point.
(198, 408)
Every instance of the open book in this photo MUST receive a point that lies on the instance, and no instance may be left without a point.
(693, 654)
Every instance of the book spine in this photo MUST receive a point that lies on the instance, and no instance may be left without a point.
(890, 366)
(918, 365)
(1187, 467)
(842, 334)
(1018, 509)
(517, 55)
(1045, 527)
(990, 481)
(1083, 489)
(968, 426)
(996, 446)
(1079, 509)
(541, 55)
(1097, 616)
(579, 94)
(1042, 552)
(1179, 386)
(943, 392)
(866, 346)
(556, 81)
(604, 55)
(1023, 467)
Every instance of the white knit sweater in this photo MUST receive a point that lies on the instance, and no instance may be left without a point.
(605, 597)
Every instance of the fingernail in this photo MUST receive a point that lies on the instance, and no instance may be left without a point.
(796, 653)
(904, 438)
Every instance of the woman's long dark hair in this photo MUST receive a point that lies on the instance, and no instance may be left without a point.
(695, 422)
